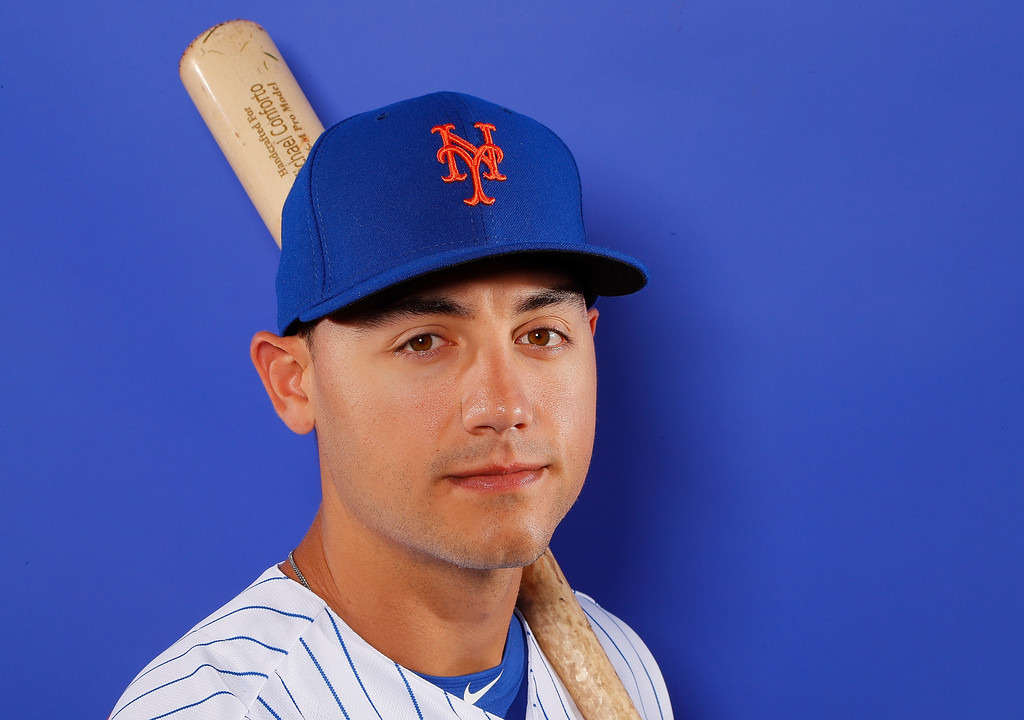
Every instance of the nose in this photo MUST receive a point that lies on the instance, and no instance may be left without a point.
(496, 396)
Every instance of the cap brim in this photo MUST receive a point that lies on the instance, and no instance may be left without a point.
(602, 271)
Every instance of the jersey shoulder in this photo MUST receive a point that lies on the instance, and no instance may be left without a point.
(631, 659)
(219, 667)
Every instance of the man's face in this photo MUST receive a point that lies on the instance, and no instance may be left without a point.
(457, 424)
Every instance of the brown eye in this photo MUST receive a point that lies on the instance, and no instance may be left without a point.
(421, 343)
(540, 337)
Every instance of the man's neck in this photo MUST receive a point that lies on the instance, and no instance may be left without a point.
(429, 616)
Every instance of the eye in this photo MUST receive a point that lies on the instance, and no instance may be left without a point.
(422, 343)
(542, 337)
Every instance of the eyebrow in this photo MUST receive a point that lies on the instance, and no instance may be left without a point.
(428, 305)
(417, 306)
(547, 298)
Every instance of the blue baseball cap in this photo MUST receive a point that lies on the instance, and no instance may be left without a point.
(428, 184)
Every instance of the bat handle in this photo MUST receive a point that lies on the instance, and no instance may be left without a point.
(564, 634)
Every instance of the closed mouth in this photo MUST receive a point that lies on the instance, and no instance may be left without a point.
(498, 477)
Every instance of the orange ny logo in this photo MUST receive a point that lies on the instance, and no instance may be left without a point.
(487, 153)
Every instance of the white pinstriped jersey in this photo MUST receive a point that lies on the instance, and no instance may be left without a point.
(278, 652)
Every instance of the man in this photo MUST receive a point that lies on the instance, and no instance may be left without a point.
(435, 299)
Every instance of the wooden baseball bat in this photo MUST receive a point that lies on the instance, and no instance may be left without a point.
(265, 127)
(255, 110)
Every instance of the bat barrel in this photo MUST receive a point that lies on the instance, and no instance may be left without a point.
(255, 110)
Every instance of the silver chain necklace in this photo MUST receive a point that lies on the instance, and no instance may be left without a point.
(298, 573)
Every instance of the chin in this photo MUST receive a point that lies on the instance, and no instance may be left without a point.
(508, 554)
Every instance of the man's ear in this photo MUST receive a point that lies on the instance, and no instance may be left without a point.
(592, 317)
(285, 366)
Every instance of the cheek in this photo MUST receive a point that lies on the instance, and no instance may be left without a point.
(571, 404)
(414, 408)
(382, 414)
(581, 390)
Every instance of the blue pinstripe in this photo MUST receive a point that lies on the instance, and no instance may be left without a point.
(409, 688)
(290, 696)
(207, 644)
(186, 677)
(536, 695)
(646, 672)
(449, 699)
(297, 616)
(565, 710)
(355, 672)
(540, 704)
(598, 625)
(268, 580)
(270, 709)
(186, 707)
(324, 676)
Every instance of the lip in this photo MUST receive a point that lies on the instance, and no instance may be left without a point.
(497, 478)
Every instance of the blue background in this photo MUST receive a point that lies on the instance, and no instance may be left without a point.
(806, 494)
